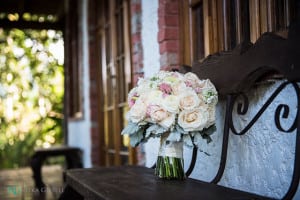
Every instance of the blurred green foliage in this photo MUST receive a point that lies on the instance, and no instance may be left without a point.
(31, 93)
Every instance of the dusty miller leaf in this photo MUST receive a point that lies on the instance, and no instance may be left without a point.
(174, 136)
(155, 130)
(187, 140)
(136, 139)
(130, 129)
(179, 129)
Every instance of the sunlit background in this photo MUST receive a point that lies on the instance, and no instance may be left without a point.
(31, 92)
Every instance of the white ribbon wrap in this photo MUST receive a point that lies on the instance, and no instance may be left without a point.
(171, 149)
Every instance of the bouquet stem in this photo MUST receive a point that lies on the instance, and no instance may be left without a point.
(169, 163)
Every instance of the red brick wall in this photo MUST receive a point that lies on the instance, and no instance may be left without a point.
(136, 40)
(137, 56)
(168, 34)
(94, 85)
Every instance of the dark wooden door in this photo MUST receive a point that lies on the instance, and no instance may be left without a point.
(114, 44)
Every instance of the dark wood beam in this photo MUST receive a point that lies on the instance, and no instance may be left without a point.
(238, 70)
(6, 24)
(21, 7)
(44, 7)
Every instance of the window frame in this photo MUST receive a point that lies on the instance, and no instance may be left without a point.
(228, 23)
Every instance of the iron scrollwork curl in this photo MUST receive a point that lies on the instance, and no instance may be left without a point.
(285, 114)
(282, 110)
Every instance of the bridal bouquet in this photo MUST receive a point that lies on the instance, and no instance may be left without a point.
(178, 108)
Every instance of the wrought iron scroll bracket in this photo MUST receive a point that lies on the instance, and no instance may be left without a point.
(282, 111)
(242, 108)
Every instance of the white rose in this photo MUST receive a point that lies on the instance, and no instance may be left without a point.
(137, 112)
(207, 92)
(178, 88)
(178, 75)
(193, 120)
(132, 96)
(207, 85)
(171, 103)
(169, 121)
(173, 78)
(157, 113)
(143, 88)
(161, 116)
(162, 74)
(132, 93)
(212, 115)
(153, 97)
(191, 78)
(189, 100)
(211, 110)
(141, 81)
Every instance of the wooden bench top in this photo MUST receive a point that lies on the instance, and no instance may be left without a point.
(134, 182)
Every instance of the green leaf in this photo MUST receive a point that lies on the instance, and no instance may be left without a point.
(207, 138)
(154, 78)
(131, 129)
(208, 131)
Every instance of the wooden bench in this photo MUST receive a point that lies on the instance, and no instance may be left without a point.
(234, 74)
(73, 156)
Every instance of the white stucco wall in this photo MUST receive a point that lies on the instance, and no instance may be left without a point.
(260, 161)
(149, 37)
(151, 58)
(79, 130)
